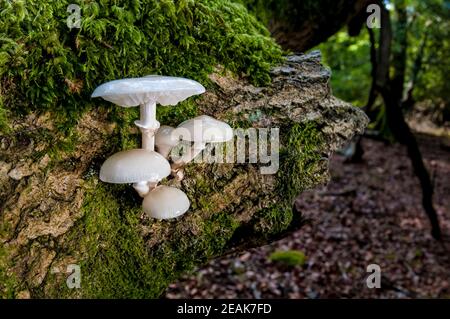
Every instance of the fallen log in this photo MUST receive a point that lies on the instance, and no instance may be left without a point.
(58, 221)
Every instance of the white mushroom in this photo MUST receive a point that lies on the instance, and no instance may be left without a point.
(143, 168)
(200, 130)
(165, 202)
(146, 92)
(165, 140)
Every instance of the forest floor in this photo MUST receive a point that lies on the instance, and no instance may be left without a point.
(370, 213)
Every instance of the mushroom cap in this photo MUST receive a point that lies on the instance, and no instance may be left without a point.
(133, 166)
(204, 129)
(165, 136)
(165, 202)
(165, 90)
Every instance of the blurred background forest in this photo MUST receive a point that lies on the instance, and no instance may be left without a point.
(387, 186)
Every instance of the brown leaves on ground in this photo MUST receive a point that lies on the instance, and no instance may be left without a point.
(370, 213)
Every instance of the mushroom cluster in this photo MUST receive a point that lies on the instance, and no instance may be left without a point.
(144, 168)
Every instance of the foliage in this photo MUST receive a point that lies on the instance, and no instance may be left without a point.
(290, 258)
(349, 60)
(349, 57)
(432, 17)
(46, 66)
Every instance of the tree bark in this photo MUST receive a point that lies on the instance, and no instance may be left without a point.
(55, 212)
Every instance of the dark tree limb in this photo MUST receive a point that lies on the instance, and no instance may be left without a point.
(399, 52)
(409, 101)
(373, 59)
(357, 156)
(396, 121)
(391, 91)
(384, 50)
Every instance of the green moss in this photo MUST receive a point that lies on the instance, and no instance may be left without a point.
(301, 160)
(300, 168)
(273, 220)
(263, 10)
(217, 232)
(289, 258)
(8, 283)
(113, 258)
(4, 126)
(44, 65)
(173, 116)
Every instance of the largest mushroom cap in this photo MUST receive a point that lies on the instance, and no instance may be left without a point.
(165, 90)
(165, 202)
(133, 166)
(204, 129)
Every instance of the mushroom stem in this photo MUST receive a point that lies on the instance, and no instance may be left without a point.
(148, 125)
(142, 188)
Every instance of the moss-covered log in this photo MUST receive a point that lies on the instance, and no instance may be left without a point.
(53, 209)
(55, 212)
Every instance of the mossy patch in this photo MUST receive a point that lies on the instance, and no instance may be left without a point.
(4, 126)
(8, 283)
(109, 249)
(114, 260)
(289, 258)
(301, 167)
(45, 65)
(301, 160)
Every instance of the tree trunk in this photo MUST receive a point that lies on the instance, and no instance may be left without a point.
(55, 212)
(409, 101)
(357, 155)
(392, 91)
(403, 134)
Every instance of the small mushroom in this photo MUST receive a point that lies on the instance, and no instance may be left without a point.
(143, 168)
(165, 202)
(146, 92)
(165, 140)
(199, 130)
